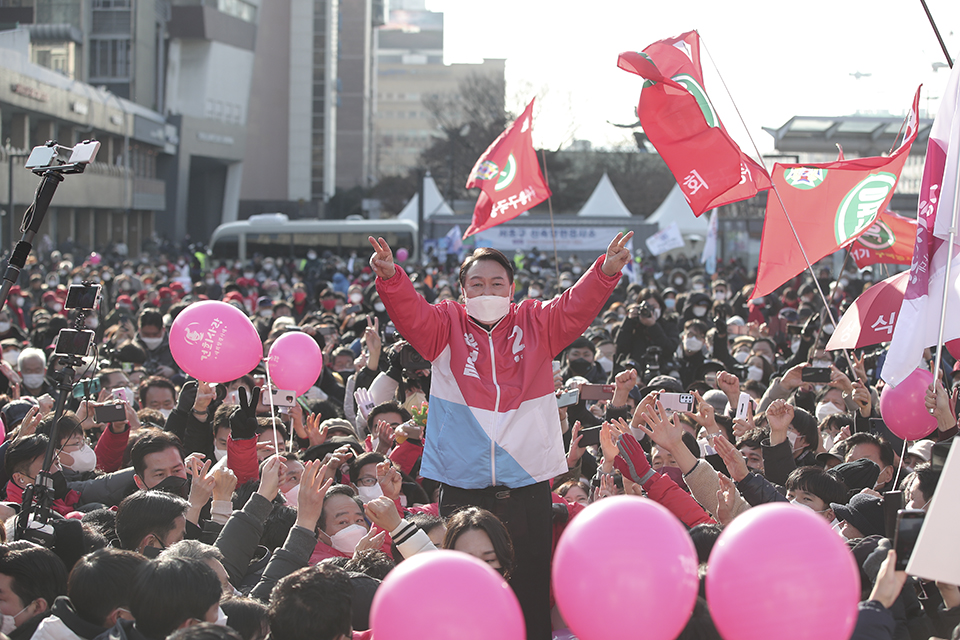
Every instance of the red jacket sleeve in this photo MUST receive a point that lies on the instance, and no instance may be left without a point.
(110, 448)
(405, 455)
(680, 503)
(423, 325)
(242, 459)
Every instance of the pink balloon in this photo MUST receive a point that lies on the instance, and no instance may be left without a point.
(215, 342)
(903, 409)
(402, 254)
(780, 571)
(295, 362)
(467, 600)
(625, 568)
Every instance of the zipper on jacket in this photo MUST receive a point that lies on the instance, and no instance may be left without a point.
(496, 413)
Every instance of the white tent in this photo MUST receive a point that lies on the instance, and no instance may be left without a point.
(674, 208)
(604, 201)
(433, 202)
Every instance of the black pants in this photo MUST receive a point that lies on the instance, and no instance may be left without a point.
(527, 514)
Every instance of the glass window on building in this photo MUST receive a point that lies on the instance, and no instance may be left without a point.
(238, 9)
(109, 58)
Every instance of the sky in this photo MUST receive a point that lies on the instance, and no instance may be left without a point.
(777, 59)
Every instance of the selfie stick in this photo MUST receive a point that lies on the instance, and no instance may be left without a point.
(41, 491)
(52, 176)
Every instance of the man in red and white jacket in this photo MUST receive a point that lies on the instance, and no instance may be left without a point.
(493, 436)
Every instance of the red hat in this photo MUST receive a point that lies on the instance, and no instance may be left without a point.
(176, 286)
(165, 292)
(233, 295)
(49, 295)
(15, 290)
(125, 299)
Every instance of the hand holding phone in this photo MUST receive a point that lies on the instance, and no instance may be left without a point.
(909, 523)
(676, 402)
(820, 375)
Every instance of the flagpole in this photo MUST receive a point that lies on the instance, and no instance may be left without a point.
(553, 232)
(946, 280)
(773, 185)
(936, 31)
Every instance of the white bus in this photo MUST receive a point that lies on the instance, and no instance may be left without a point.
(275, 235)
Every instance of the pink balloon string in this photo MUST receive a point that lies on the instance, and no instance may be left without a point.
(273, 413)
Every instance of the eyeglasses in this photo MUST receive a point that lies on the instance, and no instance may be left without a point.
(367, 481)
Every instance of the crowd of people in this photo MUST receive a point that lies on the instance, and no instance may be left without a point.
(443, 418)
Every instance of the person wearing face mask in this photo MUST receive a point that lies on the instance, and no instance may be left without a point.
(495, 356)
(697, 306)
(341, 525)
(720, 291)
(691, 353)
(32, 365)
(8, 328)
(581, 361)
(23, 461)
(262, 319)
(793, 441)
(152, 338)
(646, 326)
(31, 580)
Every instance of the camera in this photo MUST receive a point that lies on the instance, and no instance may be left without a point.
(410, 360)
(645, 310)
(650, 363)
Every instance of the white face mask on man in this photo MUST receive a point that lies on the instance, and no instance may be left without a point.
(488, 309)
(84, 459)
(347, 539)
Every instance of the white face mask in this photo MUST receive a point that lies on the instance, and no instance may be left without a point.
(10, 622)
(829, 439)
(792, 437)
(346, 540)
(755, 373)
(795, 345)
(378, 307)
(165, 413)
(606, 363)
(221, 618)
(825, 409)
(671, 303)
(692, 344)
(152, 343)
(720, 296)
(356, 298)
(33, 380)
(266, 313)
(11, 357)
(741, 356)
(823, 364)
(699, 311)
(85, 459)
(219, 454)
(369, 493)
(4, 327)
(291, 495)
(488, 309)
(533, 293)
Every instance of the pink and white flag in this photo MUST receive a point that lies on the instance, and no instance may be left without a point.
(919, 323)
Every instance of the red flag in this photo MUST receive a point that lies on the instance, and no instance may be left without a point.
(508, 175)
(889, 240)
(830, 204)
(682, 124)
